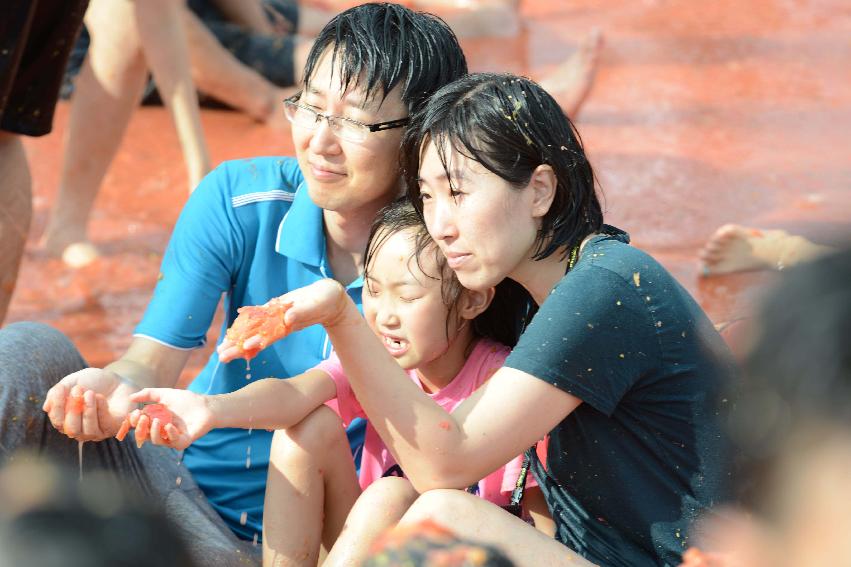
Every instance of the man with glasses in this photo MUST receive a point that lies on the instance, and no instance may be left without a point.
(253, 230)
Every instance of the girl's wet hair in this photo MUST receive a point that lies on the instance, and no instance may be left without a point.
(511, 126)
(503, 321)
(380, 45)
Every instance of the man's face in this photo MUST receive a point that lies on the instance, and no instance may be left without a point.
(344, 176)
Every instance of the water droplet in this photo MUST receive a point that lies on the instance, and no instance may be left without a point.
(248, 376)
(80, 456)
(178, 481)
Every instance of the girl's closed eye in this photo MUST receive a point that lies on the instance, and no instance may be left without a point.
(371, 288)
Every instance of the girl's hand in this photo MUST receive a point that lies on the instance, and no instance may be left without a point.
(191, 417)
(255, 328)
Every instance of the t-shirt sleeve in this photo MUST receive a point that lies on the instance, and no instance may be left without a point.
(347, 405)
(593, 337)
(199, 265)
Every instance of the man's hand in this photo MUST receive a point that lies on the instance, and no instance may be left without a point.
(89, 405)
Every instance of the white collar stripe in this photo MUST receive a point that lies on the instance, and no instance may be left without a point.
(276, 195)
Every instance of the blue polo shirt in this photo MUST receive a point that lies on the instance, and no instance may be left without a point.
(248, 233)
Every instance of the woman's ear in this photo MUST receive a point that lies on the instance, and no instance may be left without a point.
(543, 185)
(474, 303)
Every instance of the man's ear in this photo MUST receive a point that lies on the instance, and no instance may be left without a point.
(474, 303)
(543, 185)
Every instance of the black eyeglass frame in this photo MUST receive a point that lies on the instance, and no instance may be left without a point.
(376, 127)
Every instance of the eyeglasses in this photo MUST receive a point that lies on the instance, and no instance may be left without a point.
(345, 128)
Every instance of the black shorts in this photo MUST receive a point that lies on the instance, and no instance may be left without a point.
(36, 37)
(271, 56)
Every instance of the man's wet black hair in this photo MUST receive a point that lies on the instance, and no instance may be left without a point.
(511, 126)
(381, 45)
(504, 319)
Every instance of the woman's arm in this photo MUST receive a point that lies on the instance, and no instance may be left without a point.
(437, 450)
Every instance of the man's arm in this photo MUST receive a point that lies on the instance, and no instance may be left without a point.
(149, 364)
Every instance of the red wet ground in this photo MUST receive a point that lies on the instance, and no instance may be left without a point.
(703, 113)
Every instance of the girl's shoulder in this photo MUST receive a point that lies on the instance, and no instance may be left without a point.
(489, 350)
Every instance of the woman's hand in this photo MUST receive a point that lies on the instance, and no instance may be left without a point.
(255, 328)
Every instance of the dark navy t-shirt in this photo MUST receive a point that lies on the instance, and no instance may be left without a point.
(630, 469)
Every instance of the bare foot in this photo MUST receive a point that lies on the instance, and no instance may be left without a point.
(73, 247)
(570, 82)
(735, 248)
(80, 254)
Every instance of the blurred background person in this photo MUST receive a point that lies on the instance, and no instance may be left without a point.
(35, 40)
(428, 544)
(128, 39)
(792, 425)
(50, 518)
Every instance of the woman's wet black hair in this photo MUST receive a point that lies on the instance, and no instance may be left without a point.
(504, 319)
(379, 46)
(511, 126)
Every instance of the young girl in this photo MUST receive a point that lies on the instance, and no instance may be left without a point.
(619, 365)
(440, 333)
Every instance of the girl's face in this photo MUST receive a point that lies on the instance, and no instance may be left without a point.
(404, 306)
(484, 226)
(344, 176)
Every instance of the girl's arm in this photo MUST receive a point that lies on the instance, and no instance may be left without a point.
(499, 421)
(266, 404)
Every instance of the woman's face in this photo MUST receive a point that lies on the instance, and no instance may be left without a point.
(346, 176)
(484, 226)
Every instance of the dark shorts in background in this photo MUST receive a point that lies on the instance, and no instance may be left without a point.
(36, 37)
(271, 56)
